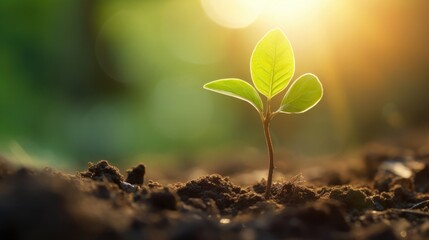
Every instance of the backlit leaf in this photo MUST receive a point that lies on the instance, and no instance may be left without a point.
(236, 88)
(272, 63)
(304, 93)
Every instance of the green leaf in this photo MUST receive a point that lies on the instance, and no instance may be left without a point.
(236, 88)
(304, 94)
(272, 63)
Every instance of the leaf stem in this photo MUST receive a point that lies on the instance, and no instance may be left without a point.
(266, 125)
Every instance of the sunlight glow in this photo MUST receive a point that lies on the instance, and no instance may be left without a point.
(292, 10)
(242, 13)
(233, 13)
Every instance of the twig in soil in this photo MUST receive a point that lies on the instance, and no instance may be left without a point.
(406, 211)
(410, 211)
(419, 204)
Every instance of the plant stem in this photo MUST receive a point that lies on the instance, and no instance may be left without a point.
(266, 125)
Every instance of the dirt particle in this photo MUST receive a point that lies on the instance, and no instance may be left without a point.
(103, 171)
(292, 194)
(395, 191)
(260, 186)
(248, 199)
(383, 201)
(351, 197)
(152, 184)
(127, 187)
(136, 175)
(229, 198)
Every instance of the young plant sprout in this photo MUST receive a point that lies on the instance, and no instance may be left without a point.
(272, 66)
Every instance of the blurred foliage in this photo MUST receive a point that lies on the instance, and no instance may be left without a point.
(86, 80)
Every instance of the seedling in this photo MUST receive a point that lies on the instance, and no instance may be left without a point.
(272, 66)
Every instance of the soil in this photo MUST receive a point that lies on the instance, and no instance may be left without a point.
(387, 198)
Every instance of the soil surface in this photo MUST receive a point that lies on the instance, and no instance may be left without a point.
(387, 198)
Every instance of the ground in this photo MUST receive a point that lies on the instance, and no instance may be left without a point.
(386, 198)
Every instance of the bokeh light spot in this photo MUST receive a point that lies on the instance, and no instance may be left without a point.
(233, 13)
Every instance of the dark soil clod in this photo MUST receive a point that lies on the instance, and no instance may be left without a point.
(229, 198)
(292, 194)
(351, 197)
(136, 175)
(103, 171)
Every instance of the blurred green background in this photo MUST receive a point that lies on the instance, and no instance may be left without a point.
(122, 80)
